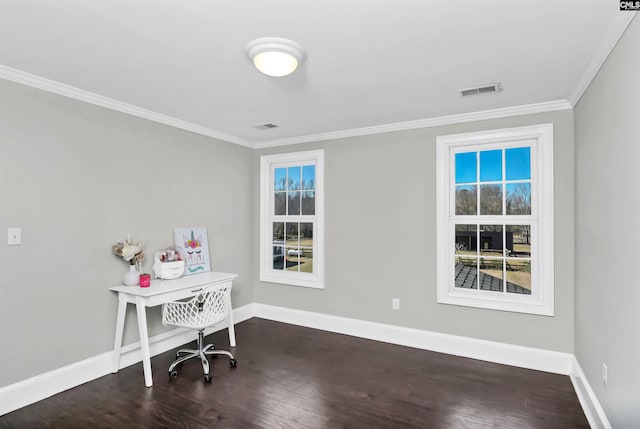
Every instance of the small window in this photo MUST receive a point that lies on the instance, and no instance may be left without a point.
(495, 214)
(291, 214)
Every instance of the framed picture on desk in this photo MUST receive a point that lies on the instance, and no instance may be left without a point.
(193, 244)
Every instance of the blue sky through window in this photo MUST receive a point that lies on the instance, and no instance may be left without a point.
(309, 176)
(518, 165)
(294, 178)
(280, 176)
(289, 178)
(491, 165)
(466, 167)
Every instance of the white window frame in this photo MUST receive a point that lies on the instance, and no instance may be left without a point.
(267, 165)
(541, 300)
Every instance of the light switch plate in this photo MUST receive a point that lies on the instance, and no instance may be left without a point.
(14, 236)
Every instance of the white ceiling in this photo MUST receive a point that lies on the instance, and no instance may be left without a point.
(370, 63)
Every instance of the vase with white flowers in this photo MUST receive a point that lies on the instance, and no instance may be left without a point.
(131, 251)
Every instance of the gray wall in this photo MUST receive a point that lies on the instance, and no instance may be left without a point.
(607, 129)
(69, 177)
(77, 177)
(380, 218)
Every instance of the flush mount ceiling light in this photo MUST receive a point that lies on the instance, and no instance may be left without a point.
(275, 56)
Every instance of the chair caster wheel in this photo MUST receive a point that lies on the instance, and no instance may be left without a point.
(233, 363)
(207, 378)
(173, 374)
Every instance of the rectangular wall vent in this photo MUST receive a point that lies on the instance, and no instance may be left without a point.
(266, 126)
(484, 89)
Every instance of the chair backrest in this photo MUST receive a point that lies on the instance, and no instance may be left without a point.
(210, 306)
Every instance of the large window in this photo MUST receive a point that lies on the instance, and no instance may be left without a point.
(495, 219)
(291, 191)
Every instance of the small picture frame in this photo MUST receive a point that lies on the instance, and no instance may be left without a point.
(193, 245)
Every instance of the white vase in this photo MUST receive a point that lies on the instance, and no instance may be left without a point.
(132, 277)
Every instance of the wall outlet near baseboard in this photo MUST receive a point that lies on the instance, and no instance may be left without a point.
(395, 303)
(605, 376)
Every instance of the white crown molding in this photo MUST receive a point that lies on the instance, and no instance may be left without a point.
(44, 385)
(34, 81)
(608, 43)
(590, 405)
(48, 85)
(527, 109)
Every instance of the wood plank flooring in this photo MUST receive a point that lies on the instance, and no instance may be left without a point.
(293, 377)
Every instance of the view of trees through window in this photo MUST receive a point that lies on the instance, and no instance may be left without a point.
(293, 246)
(493, 256)
(294, 199)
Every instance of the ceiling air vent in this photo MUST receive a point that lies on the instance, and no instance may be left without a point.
(484, 89)
(266, 126)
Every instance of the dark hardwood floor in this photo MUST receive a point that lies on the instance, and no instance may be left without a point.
(293, 377)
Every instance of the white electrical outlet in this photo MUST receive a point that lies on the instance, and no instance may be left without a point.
(14, 236)
(395, 303)
(604, 374)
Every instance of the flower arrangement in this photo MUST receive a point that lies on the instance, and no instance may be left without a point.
(131, 251)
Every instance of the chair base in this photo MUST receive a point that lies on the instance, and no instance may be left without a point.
(202, 352)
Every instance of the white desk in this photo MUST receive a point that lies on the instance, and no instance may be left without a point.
(160, 292)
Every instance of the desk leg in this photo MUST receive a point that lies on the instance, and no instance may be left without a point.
(232, 329)
(117, 344)
(144, 342)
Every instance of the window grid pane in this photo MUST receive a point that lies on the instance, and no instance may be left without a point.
(466, 272)
(293, 245)
(466, 240)
(294, 191)
(294, 197)
(308, 203)
(491, 274)
(466, 167)
(493, 257)
(518, 198)
(491, 165)
(499, 183)
(309, 177)
(466, 200)
(518, 163)
(293, 203)
(518, 276)
(491, 200)
(280, 203)
(293, 178)
(280, 179)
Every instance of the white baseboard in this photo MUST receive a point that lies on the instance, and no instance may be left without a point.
(508, 354)
(42, 386)
(590, 405)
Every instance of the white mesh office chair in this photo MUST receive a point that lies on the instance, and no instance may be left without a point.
(210, 307)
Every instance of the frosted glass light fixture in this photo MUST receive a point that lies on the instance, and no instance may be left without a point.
(275, 56)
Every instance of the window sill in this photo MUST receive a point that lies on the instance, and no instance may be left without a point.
(477, 300)
(288, 280)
